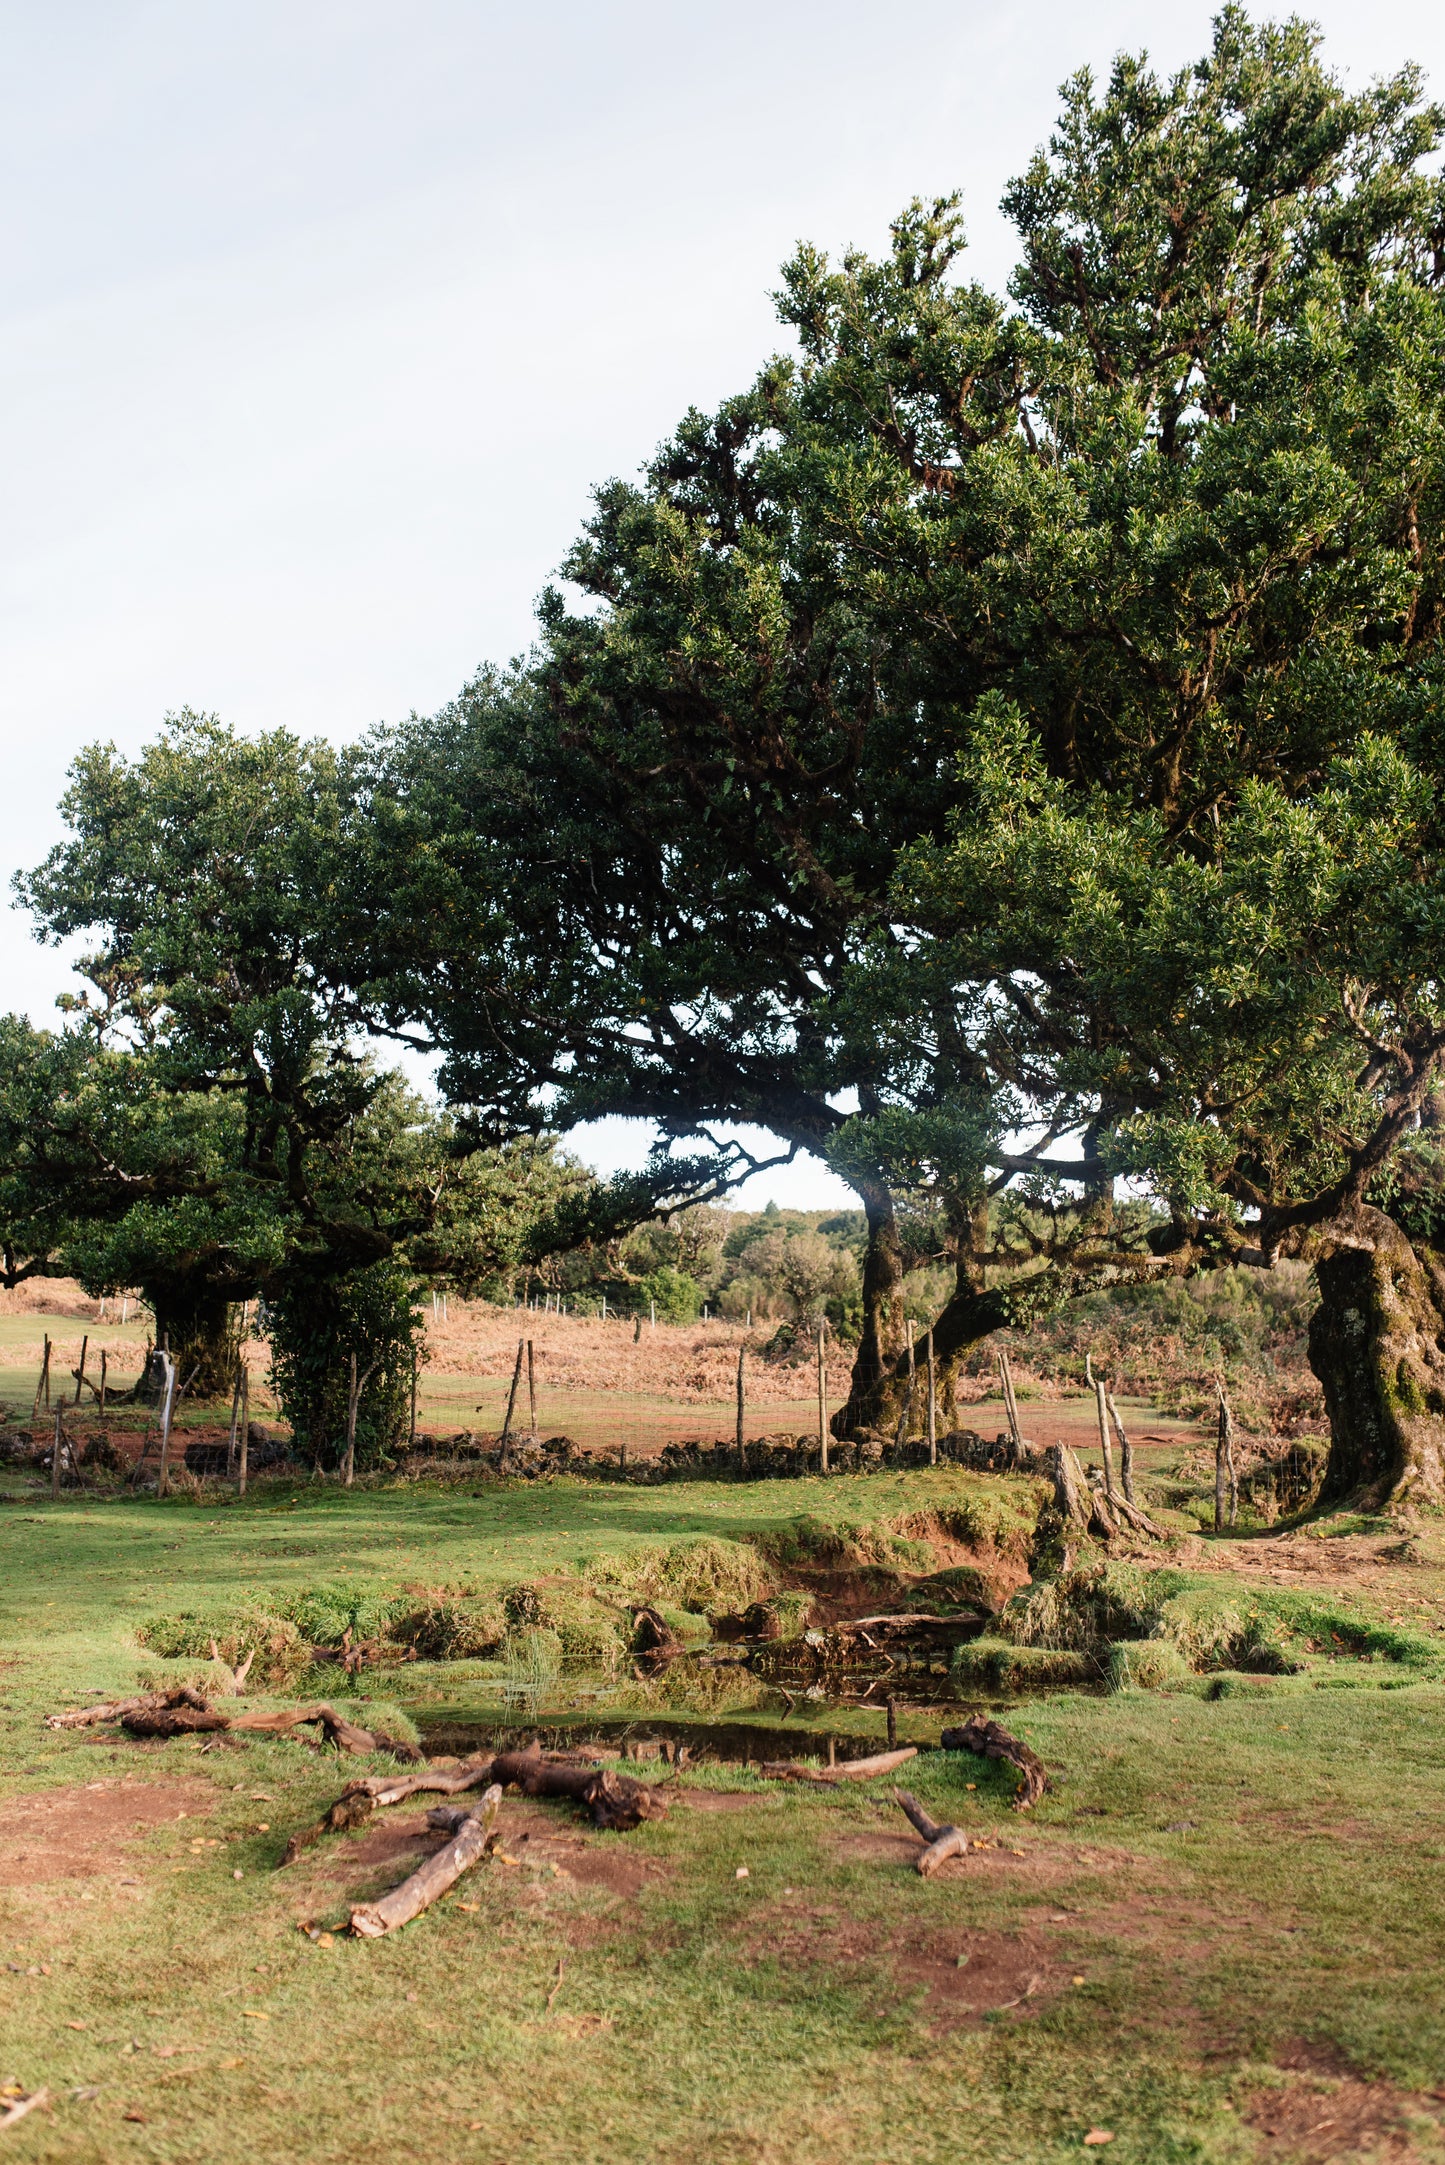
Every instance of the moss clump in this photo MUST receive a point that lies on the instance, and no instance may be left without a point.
(324, 1614)
(684, 1624)
(1089, 1607)
(708, 1575)
(1146, 1665)
(281, 1654)
(591, 1633)
(1001, 1665)
(961, 1585)
(451, 1629)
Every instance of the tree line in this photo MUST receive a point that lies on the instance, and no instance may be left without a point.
(997, 753)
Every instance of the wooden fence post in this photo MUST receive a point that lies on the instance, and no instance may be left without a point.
(1126, 1452)
(168, 1402)
(532, 1391)
(245, 1427)
(742, 1447)
(822, 1400)
(80, 1372)
(1010, 1404)
(57, 1446)
(235, 1417)
(932, 1404)
(44, 1383)
(512, 1394)
(1106, 1441)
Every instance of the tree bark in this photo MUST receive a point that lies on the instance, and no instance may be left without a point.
(882, 1332)
(967, 1316)
(1377, 1344)
(203, 1334)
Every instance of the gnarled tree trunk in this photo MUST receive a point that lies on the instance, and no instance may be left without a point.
(202, 1334)
(1377, 1344)
(882, 1332)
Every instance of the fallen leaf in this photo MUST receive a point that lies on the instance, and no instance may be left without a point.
(470, 1907)
(255, 2014)
(741, 1872)
(1078, 1980)
(137, 2116)
(1096, 2136)
(325, 1939)
(75, 2025)
(501, 1857)
(234, 2061)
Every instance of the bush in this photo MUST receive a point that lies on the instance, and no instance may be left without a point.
(678, 1296)
(1000, 1665)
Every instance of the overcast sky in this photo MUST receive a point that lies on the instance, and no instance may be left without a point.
(319, 322)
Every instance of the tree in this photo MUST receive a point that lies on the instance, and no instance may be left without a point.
(1190, 908)
(209, 1126)
(1172, 509)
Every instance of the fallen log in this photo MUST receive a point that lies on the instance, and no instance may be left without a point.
(82, 1717)
(373, 1920)
(847, 1770)
(173, 1721)
(942, 1842)
(990, 1740)
(613, 1799)
(358, 1800)
(334, 1727)
(652, 1634)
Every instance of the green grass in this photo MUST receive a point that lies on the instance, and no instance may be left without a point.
(1228, 1875)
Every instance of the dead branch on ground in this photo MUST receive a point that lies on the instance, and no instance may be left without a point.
(847, 1770)
(992, 1741)
(373, 1920)
(942, 1842)
(358, 1800)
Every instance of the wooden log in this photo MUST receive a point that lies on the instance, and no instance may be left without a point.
(990, 1740)
(84, 1717)
(941, 1842)
(652, 1634)
(612, 1799)
(334, 1727)
(173, 1721)
(845, 1770)
(373, 1920)
(358, 1800)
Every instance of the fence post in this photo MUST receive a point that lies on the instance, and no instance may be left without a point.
(932, 1404)
(742, 1447)
(245, 1427)
(822, 1400)
(163, 1483)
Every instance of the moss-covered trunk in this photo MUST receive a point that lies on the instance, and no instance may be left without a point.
(201, 1331)
(882, 1332)
(1377, 1344)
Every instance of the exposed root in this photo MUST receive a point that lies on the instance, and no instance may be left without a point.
(992, 1741)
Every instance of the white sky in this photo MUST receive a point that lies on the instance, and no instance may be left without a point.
(319, 321)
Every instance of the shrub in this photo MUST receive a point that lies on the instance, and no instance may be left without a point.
(282, 1655)
(1146, 1665)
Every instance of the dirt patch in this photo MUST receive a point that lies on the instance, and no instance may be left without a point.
(989, 1858)
(82, 1833)
(957, 1976)
(530, 1834)
(1329, 2111)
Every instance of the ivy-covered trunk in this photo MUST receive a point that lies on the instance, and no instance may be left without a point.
(1377, 1344)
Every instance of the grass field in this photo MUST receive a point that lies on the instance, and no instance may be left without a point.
(1218, 1937)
